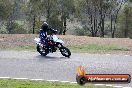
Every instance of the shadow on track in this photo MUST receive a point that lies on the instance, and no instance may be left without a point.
(50, 58)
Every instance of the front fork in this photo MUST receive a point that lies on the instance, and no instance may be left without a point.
(59, 45)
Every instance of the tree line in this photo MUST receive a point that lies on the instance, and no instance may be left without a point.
(103, 18)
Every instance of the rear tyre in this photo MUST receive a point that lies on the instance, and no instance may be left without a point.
(42, 51)
(38, 48)
(65, 51)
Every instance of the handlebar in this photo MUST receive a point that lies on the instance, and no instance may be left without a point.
(54, 31)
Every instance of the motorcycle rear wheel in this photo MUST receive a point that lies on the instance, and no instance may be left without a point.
(42, 51)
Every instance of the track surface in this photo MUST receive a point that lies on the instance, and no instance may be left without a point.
(56, 67)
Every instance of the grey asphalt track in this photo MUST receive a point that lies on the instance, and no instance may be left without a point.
(25, 64)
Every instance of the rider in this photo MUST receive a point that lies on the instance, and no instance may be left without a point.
(43, 33)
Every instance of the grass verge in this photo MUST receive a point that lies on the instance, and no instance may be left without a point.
(41, 84)
(95, 48)
(21, 48)
(90, 48)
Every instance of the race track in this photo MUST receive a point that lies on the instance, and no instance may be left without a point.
(56, 67)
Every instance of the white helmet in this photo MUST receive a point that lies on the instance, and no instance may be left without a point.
(45, 23)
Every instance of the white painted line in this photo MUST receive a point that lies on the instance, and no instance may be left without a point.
(99, 84)
(5, 78)
(107, 54)
(61, 81)
(73, 82)
(53, 80)
(37, 79)
(65, 81)
(21, 78)
(118, 86)
(109, 85)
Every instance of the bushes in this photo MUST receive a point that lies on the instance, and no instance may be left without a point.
(82, 31)
(3, 29)
(18, 29)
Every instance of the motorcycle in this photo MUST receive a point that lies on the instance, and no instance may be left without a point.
(53, 43)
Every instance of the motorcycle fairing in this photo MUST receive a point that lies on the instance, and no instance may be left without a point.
(56, 39)
(37, 40)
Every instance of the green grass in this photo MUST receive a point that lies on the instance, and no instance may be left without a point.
(41, 84)
(96, 48)
(21, 48)
(25, 48)
(90, 48)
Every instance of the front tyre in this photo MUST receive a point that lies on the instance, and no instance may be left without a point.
(65, 51)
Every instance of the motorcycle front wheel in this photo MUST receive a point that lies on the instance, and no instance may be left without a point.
(42, 51)
(65, 51)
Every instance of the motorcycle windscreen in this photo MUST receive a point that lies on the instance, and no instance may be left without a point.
(56, 39)
(60, 41)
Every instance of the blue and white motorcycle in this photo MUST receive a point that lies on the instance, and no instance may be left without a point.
(53, 43)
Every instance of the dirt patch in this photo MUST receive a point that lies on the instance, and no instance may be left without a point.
(13, 40)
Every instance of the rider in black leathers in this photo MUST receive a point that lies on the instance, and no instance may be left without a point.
(43, 32)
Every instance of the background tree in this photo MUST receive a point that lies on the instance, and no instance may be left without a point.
(125, 22)
(114, 12)
(93, 15)
(5, 9)
(6, 13)
(66, 9)
(102, 18)
(33, 10)
(51, 13)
